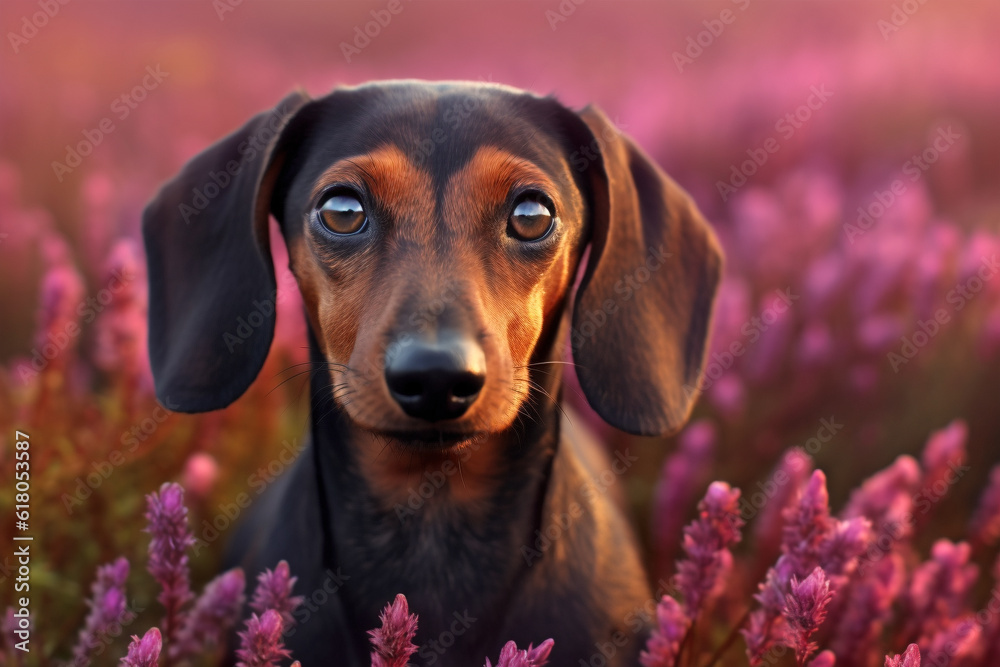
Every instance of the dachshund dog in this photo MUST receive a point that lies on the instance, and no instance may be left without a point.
(436, 231)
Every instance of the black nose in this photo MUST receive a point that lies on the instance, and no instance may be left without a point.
(436, 381)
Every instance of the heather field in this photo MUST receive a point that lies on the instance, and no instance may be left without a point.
(836, 495)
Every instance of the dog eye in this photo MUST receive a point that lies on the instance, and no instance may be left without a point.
(343, 214)
(531, 220)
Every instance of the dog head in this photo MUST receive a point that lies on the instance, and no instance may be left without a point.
(435, 231)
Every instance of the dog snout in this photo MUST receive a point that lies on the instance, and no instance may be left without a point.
(438, 380)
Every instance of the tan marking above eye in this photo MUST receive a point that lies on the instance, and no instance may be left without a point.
(394, 181)
(486, 181)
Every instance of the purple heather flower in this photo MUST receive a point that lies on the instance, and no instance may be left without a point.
(260, 642)
(886, 498)
(706, 546)
(954, 644)
(805, 611)
(168, 559)
(791, 473)
(107, 607)
(512, 656)
(945, 448)
(807, 524)
(274, 591)
(144, 652)
(216, 611)
(812, 539)
(120, 333)
(684, 471)
(984, 529)
(393, 642)
(665, 641)
(824, 659)
(939, 588)
(844, 543)
(868, 607)
(728, 395)
(911, 658)
(538, 656)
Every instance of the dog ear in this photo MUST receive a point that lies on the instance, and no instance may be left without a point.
(211, 280)
(642, 311)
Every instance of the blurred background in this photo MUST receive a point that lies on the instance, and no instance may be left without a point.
(846, 152)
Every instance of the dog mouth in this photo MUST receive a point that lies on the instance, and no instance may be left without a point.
(432, 440)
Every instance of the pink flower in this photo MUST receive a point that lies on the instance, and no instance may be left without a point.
(512, 656)
(260, 642)
(665, 641)
(168, 559)
(886, 498)
(812, 539)
(911, 658)
(868, 607)
(956, 642)
(539, 656)
(706, 545)
(815, 345)
(939, 588)
(120, 331)
(107, 608)
(984, 528)
(274, 591)
(805, 610)
(824, 659)
(144, 652)
(684, 471)
(216, 611)
(728, 395)
(944, 450)
(794, 468)
(200, 473)
(807, 525)
(393, 642)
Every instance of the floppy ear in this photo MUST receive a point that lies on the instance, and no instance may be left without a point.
(211, 281)
(642, 311)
